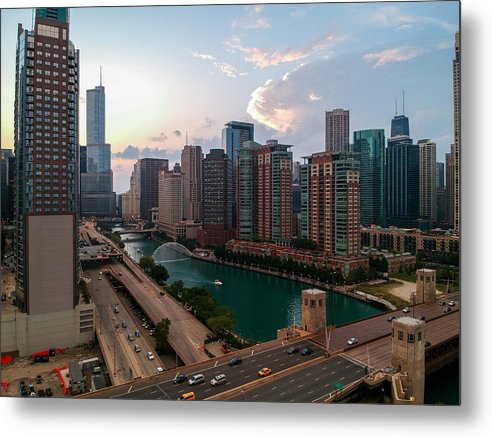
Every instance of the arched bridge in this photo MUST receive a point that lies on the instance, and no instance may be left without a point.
(177, 247)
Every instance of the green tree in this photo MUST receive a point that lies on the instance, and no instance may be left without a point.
(160, 333)
(159, 273)
(221, 325)
(146, 263)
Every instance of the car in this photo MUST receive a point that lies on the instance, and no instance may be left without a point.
(235, 361)
(137, 348)
(137, 333)
(406, 310)
(41, 393)
(218, 380)
(48, 392)
(451, 303)
(120, 274)
(446, 310)
(160, 370)
(23, 391)
(116, 309)
(151, 332)
(190, 396)
(100, 273)
(179, 379)
(39, 379)
(131, 337)
(307, 351)
(352, 341)
(292, 350)
(422, 318)
(196, 379)
(264, 372)
(428, 344)
(161, 293)
(124, 324)
(100, 278)
(150, 356)
(391, 318)
(31, 389)
(442, 303)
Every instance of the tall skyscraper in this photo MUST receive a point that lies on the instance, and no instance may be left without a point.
(337, 130)
(457, 131)
(216, 198)
(399, 123)
(96, 183)
(370, 146)
(147, 183)
(296, 172)
(46, 178)
(330, 202)
(442, 210)
(7, 182)
(450, 169)
(402, 182)
(427, 180)
(234, 134)
(191, 167)
(170, 201)
(130, 201)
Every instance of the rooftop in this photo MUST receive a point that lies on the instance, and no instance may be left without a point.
(314, 291)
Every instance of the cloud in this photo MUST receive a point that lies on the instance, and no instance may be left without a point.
(259, 23)
(203, 56)
(208, 122)
(397, 54)
(134, 153)
(160, 138)
(392, 16)
(177, 133)
(314, 98)
(207, 143)
(261, 58)
(228, 69)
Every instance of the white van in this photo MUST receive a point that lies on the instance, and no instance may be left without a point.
(196, 379)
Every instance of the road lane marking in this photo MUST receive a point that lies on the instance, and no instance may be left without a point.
(252, 353)
(254, 396)
(347, 366)
(308, 374)
(327, 385)
(247, 376)
(299, 386)
(292, 380)
(338, 362)
(343, 377)
(316, 380)
(281, 394)
(152, 392)
(282, 364)
(310, 392)
(215, 365)
(181, 391)
(274, 388)
(276, 359)
(241, 371)
(268, 356)
(323, 368)
(129, 390)
(207, 390)
(252, 361)
(332, 373)
(292, 400)
(358, 371)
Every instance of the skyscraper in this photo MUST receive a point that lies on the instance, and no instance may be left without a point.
(265, 191)
(191, 168)
(370, 146)
(457, 132)
(427, 180)
(217, 198)
(147, 183)
(330, 202)
(234, 134)
(7, 185)
(46, 185)
(96, 183)
(402, 182)
(170, 202)
(450, 169)
(337, 130)
(442, 210)
(399, 126)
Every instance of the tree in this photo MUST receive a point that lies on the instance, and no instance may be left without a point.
(221, 325)
(159, 273)
(146, 263)
(160, 333)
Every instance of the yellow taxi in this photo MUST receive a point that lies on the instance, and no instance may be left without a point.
(190, 396)
(264, 372)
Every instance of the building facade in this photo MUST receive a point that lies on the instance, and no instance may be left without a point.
(400, 126)
(7, 180)
(456, 151)
(402, 179)
(191, 168)
(170, 202)
(427, 180)
(337, 130)
(370, 146)
(96, 115)
(450, 169)
(330, 202)
(147, 184)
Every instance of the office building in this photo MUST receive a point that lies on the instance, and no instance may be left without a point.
(83, 159)
(177, 167)
(171, 205)
(399, 126)
(296, 172)
(96, 115)
(191, 168)
(7, 185)
(427, 180)
(130, 201)
(46, 203)
(217, 199)
(330, 203)
(234, 134)
(370, 146)
(456, 150)
(337, 130)
(442, 201)
(402, 182)
(264, 194)
(147, 184)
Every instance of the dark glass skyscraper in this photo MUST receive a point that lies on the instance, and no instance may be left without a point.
(399, 126)
(402, 164)
(370, 146)
(148, 170)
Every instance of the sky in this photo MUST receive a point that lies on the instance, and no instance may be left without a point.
(172, 70)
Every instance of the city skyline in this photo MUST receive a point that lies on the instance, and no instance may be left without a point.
(281, 81)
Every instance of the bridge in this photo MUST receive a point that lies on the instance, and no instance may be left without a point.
(333, 370)
(137, 231)
(177, 247)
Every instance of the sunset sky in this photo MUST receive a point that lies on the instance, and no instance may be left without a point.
(170, 70)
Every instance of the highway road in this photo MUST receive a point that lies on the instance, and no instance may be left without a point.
(310, 384)
(162, 387)
(105, 299)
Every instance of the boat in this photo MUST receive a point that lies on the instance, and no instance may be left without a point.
(217, 282)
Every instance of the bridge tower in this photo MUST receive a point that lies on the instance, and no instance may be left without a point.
(426, 285)
(313, 310)
(408, 355)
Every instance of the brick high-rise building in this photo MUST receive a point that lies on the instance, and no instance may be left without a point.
(191, 168)
(216, 199)
(330, 202)
(337, 130)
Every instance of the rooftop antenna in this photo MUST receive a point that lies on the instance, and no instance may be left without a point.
(186, 139)
(100, 75)
(403, 102)
(396, 106)
(32, 19)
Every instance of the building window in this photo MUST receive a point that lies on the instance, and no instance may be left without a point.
(400, 335)
(419, 336)
(320, 302)
(411, 338)
(49, 31)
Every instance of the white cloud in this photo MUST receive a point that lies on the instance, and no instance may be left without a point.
(314, 98)
(259, 23)
(203, 56)
(392, 16)
(397, 54)
(228, 69)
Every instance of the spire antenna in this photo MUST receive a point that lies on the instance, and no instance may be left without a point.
(403, 102)
(100, 75)
(186, 138)
(396, 106)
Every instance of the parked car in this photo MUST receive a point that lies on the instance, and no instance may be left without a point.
(160, 370)
(218, 380)
(161, 293)
(39, 379)
(352, 341)
(48, 392)
(41, 393)
(442, 303)
(307, 351)
(187, 397)
(264, 372)
(292, 350)
(235, 361)
(406, 310)
(179, 379)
